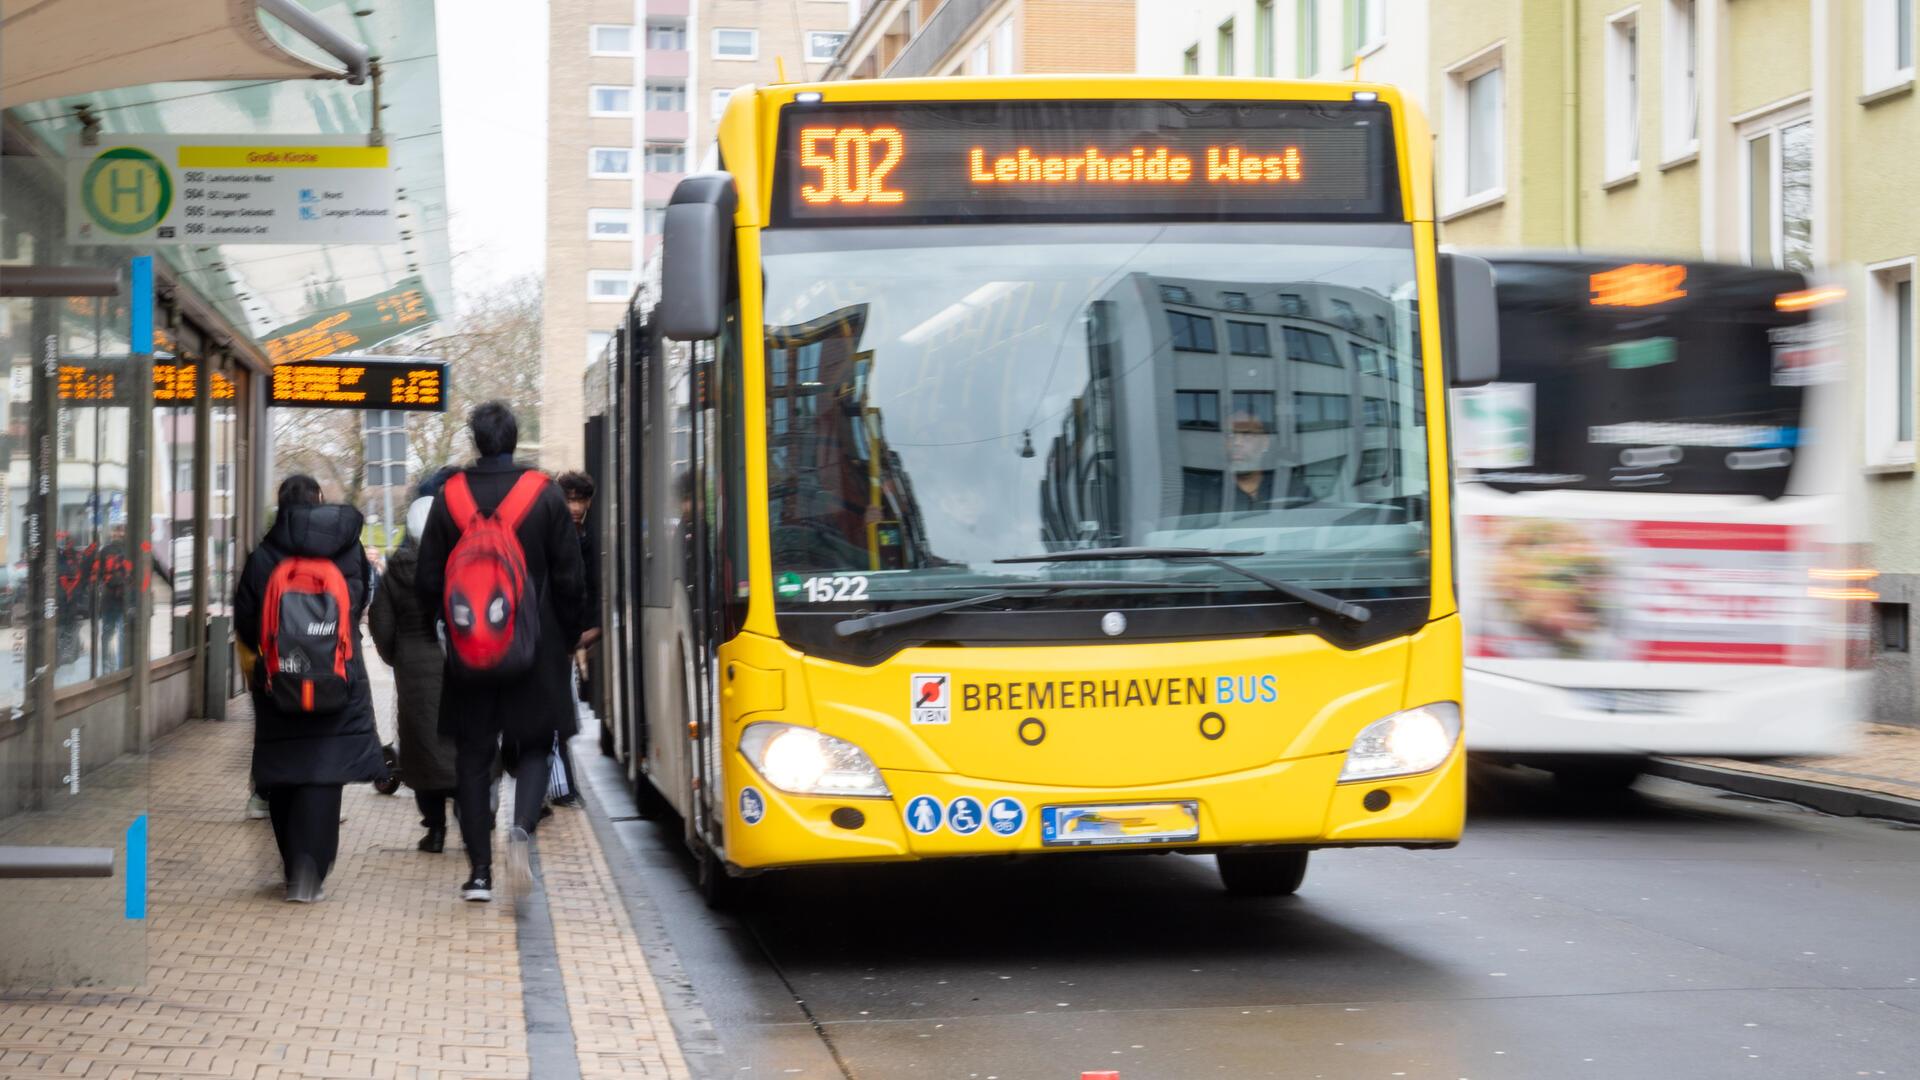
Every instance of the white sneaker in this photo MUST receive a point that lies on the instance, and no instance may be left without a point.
(519, 865)
(257, 808)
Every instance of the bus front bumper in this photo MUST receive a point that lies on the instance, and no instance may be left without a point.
(1292, 803)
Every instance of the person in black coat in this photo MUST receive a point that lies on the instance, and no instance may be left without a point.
(303, 761)
(522, 716)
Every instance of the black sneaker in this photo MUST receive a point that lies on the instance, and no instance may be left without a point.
(479, 888)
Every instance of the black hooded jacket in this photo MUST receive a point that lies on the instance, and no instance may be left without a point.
(298, 749)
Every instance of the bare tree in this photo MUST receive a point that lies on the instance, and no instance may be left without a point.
(492, 351)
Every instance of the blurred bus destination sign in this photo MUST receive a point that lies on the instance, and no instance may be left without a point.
(361, 324)
(407, 383)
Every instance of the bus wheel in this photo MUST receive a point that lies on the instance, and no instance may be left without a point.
(1598, 778)
(1262, 873)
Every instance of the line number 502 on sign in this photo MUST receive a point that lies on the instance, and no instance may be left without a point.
(823, 590)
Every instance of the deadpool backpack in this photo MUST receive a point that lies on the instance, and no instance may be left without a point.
(491, 612)
(306, 637)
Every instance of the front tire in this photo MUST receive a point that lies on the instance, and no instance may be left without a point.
(1598, 778)
(1262, 873)
(720, 890)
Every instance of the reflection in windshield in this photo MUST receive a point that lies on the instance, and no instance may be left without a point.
(984, 394)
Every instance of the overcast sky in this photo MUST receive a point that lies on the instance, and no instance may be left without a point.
(493, 104)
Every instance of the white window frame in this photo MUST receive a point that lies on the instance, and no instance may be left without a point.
(1458, 199)
(647, 93)
(1880, 68)
(598, 214)
(678, 27)
(1003, 47)
(753, 43)
(1771, 122)
(597, 342)
(651, 216)
(1622, 98)
(593, 100)
(594, 277)
(593, 39)
(717, 101)
(1884, 445)
(593, 154)
(647, 152)
(1679, 82)
(1373, 26)
(813, 57)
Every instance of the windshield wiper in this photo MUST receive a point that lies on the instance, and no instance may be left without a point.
(881, 620)
(1332, 605)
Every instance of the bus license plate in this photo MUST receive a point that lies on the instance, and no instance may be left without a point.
(1126, 823)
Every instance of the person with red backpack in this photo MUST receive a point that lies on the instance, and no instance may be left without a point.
(500, 563)
(297, 607)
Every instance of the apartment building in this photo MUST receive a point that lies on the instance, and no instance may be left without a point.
(1772, 132)
(634, 88)
(911, 38)
(1377, 40)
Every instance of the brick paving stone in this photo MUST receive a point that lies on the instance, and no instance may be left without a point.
(392, 976)
(1886, 760)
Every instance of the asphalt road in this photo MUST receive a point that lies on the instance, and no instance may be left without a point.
(1672, 932)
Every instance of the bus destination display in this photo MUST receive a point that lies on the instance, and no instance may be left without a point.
(361, 383)
(1068, 160)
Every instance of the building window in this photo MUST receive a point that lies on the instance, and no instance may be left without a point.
(1310, 347)
(1223, 49)
(611, 40)
(666, 158)
(1680, 133)
(611, 100)
(980, 61)
(1294, 305)
(606, 224)
(1175, 294)
(1200, 492)
(1003, 47)
(1248, 339)
(1191, 333)
(597, 344)
(1321, 412)
(1190, 60)
(1371, 20)
(1888, 27)
(609, 284)
(1890, 357)
(1316, 479)
(1263, 39)
(1476, 110)
(1367, 360)
(1254, 405)
(732, 44)
(668, 37)
(1197, 410)
(1778, 162)
(1236, 301)
(1306, 38)
(1344, 315)
(654, 220)
(1376, 466)
(610, 161)
(666, 97)
(824, 45)
(1623, 95)
(1890, 621)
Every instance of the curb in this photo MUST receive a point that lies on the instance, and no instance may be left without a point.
(1826, 798)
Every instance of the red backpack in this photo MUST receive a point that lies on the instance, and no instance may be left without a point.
(306, 629)
(492, 615)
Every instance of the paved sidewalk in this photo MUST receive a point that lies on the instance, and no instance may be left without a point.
(1880, 777)
(392, 976)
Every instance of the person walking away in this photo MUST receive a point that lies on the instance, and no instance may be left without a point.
(116, 575)
(403, 633)
(577, 488)
(298, 606)
(500, 562)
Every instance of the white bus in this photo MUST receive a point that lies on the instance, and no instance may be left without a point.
(1656, 541)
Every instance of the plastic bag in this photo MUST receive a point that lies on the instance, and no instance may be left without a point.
(557, 772)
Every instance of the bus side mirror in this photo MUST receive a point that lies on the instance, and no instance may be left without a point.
(697, 237)
(1472, 319)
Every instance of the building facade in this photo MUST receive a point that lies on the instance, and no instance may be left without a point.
(1288, 39)
(900, 39)
(634, 89)
(1771, 132)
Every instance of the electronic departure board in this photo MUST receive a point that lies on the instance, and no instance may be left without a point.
(102, 382)
(982, 161)
(361, 382)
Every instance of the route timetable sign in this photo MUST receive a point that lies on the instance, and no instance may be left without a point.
(215, 189)
(361, 382)
(1075, 160)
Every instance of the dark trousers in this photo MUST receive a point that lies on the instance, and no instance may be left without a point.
(306, 825)
(433, 807)
(473, 768)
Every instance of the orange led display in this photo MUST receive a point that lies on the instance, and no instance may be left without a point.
(78, 383)
(1136, 166)
(1806, 299)
(852, 163)
(361, 383)
(1637, 285)
(174, 383)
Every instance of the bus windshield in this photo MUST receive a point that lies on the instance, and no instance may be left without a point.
(941, 397)
(1697, 390)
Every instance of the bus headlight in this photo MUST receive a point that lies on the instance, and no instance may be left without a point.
(1404, 744)
(803, 761)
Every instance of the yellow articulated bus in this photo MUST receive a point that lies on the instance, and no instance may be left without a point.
(1035, 465)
